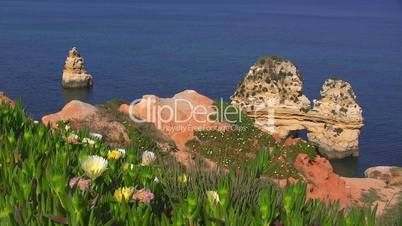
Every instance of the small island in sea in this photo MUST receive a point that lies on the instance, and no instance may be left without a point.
(261, 154)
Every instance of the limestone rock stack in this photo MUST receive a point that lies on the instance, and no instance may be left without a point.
(338, 119)
(74, 73)
(275, 84)
(271, 93)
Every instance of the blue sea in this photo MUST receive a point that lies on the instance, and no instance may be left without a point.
(160, 47)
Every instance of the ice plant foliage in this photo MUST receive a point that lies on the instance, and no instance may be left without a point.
(94, 166)
(46, 180)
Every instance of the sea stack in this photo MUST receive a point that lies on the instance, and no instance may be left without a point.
(272, 94)
(74, 73)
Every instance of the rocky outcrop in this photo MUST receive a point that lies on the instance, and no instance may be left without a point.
(74, 110)
(271, 93)
(336, 119)
(81, 115)
(177, 117)
(5, 99)
(391, 175)
(74, 73)
(322, 182)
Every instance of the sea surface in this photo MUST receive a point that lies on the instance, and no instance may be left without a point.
(160, 47)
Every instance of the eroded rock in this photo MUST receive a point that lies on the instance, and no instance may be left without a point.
(74, 74)
(5, 99)
(391, 175)
(177, 117)
(81, 115)
(322, 182)
(74, 110)
(272, 94)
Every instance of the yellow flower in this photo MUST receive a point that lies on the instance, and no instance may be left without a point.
(183, 178)
(94, 166)
(213, 197)
(123, 194)
(128, 166)
(114, 154)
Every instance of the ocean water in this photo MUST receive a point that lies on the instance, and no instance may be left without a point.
(160, 47)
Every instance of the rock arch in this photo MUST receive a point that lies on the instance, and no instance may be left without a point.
(333, 122)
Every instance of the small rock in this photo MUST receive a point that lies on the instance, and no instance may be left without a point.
(74, 110)
(5, 99)
(391, 175)
(74, 73)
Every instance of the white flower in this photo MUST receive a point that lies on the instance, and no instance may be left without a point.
(94, 166)
(156, 180)
(72, 138)
(67, 128)
(96, 136)
(36, 122)
(88, 141)
(122, 151)
(148, 157)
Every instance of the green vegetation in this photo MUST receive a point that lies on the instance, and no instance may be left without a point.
(370, 196)
(237, 147)
(46, 179)
(392, 215)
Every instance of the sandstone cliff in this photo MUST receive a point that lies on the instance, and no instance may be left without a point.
(74, 73)
(271, 93)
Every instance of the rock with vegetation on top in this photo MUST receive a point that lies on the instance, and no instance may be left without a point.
(74, 74)
(272, 94)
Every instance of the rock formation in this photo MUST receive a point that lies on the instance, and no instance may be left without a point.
(322, 182)
(271, 93)
(74, 73)
(177, 117)
(74, 110)
(5, 99)
(81, 115)
(391, 175)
